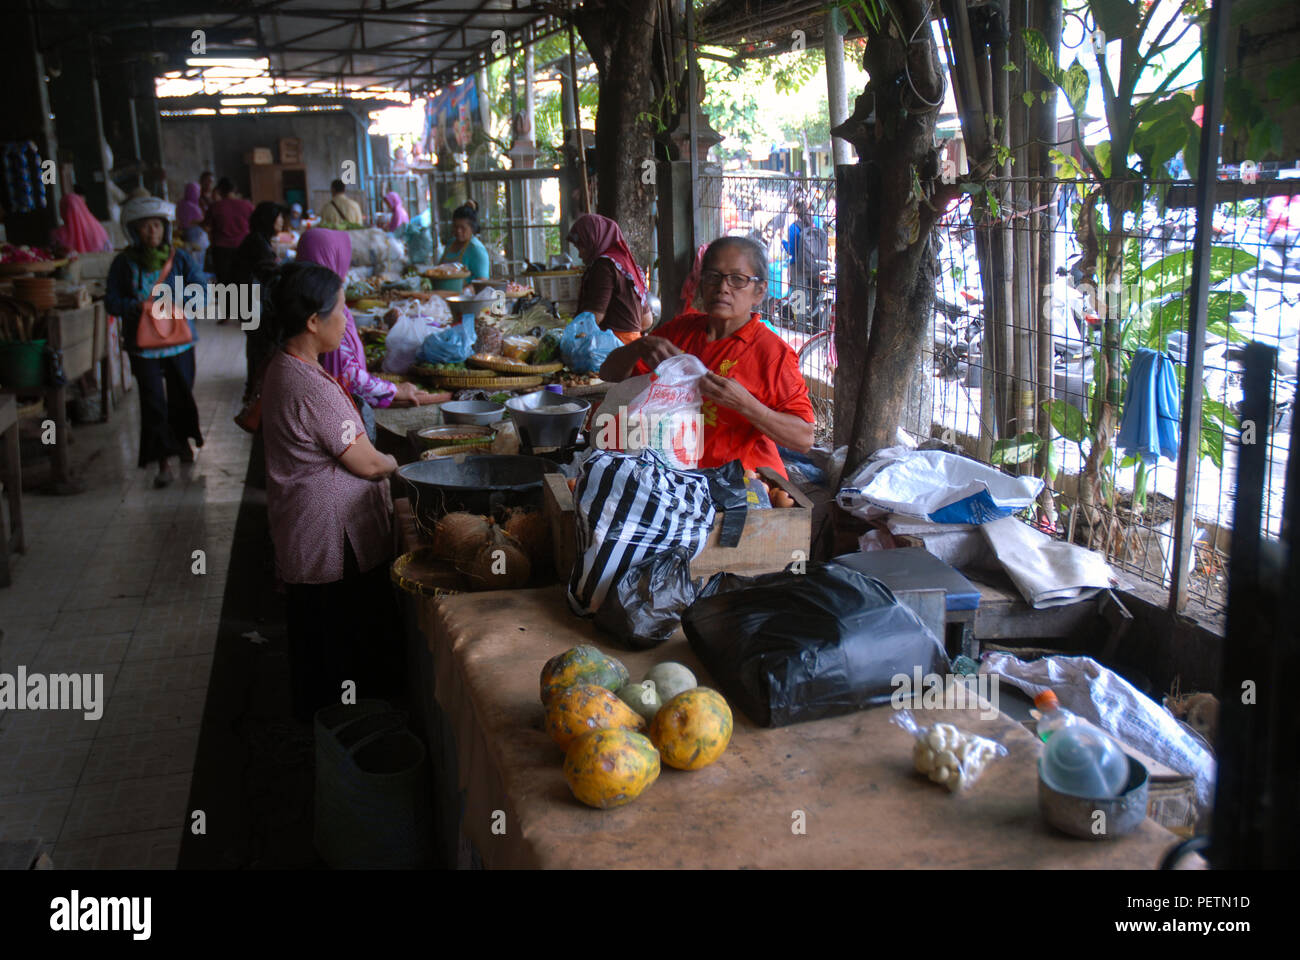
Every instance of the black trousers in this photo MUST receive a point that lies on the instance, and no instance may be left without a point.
(258, 348)
(168, 414)
(223, 258)
(341, 631)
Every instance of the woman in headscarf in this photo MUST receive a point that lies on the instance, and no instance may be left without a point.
(254, 262)
(294, 220)
(189, 220)
(333, 249)
(80, 231)
(169, 418)
(399, 217)
(614, 287)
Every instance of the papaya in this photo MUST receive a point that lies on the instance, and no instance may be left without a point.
(608, 768)
(585, 707)
(581, 664)
(692, 729)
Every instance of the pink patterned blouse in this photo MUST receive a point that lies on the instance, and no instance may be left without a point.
(348, 363)
(312, 500)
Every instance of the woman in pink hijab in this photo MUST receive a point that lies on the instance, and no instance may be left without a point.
(80, 231)
(189, 216)
(399, 216)
(333, 249)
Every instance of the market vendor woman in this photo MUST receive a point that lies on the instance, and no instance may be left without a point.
(755, 399)
(613, 288)
(327, 502)
(465, 248)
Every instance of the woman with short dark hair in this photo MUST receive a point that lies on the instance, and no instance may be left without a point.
(465, 248)
(327, 500)
(254, 262)
(755, 399)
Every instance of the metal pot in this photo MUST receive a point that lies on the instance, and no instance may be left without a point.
(1078, 816)
(538, 430)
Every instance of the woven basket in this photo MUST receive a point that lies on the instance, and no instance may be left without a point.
(424, 573)
(520, 369)
(496, 383)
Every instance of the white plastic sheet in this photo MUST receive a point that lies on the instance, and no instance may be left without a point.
(939, 486)
(1104, 698)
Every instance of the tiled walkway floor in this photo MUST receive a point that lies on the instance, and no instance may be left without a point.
(108, 586)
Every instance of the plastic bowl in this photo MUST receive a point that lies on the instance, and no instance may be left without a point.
(1084, 762)
(482, 412)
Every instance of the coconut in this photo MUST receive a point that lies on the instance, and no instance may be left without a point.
(460, 536)
(531, 529)
(499, 564)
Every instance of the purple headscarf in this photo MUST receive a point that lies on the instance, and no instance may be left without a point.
(400, 216)
(331, 249)
(188, 210)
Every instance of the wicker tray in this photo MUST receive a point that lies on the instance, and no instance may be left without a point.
(522, 369)
(425, 574)
(35, 266)
(427, 370)
(496, 383)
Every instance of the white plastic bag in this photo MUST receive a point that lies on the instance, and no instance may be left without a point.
(943, 487)
(403, 343)
(659, 411)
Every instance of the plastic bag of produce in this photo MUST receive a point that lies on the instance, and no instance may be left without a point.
(548, 348)
(948, 755)
(815, 640)
(644, 605)
(403, 344)
(660, 411)
(584, 346)
(627, 509)
(452, 345)
(419, 239)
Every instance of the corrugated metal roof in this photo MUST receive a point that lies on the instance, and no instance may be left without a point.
(380, 44)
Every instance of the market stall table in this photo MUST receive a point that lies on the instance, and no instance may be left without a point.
(847, 782)
(76, 334)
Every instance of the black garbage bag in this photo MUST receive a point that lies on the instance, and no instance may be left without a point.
(727, 487)
(790, 647)
(644, 605)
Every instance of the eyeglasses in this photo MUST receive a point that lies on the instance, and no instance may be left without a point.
(736, 281)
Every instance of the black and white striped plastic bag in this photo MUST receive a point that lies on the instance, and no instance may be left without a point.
(630, 507)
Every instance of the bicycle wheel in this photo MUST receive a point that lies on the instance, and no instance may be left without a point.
(817, 364)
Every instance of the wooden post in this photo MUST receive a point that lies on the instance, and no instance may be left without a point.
(580, 144)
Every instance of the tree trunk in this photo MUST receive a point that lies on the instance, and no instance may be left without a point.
(620, 37)
(878, 350)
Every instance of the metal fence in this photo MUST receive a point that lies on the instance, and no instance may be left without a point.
(1255, 295)
(793, 218)
(519, 213)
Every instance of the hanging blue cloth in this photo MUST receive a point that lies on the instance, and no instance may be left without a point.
(1149, 428)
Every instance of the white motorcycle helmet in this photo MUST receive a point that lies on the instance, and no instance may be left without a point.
(142, 208)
